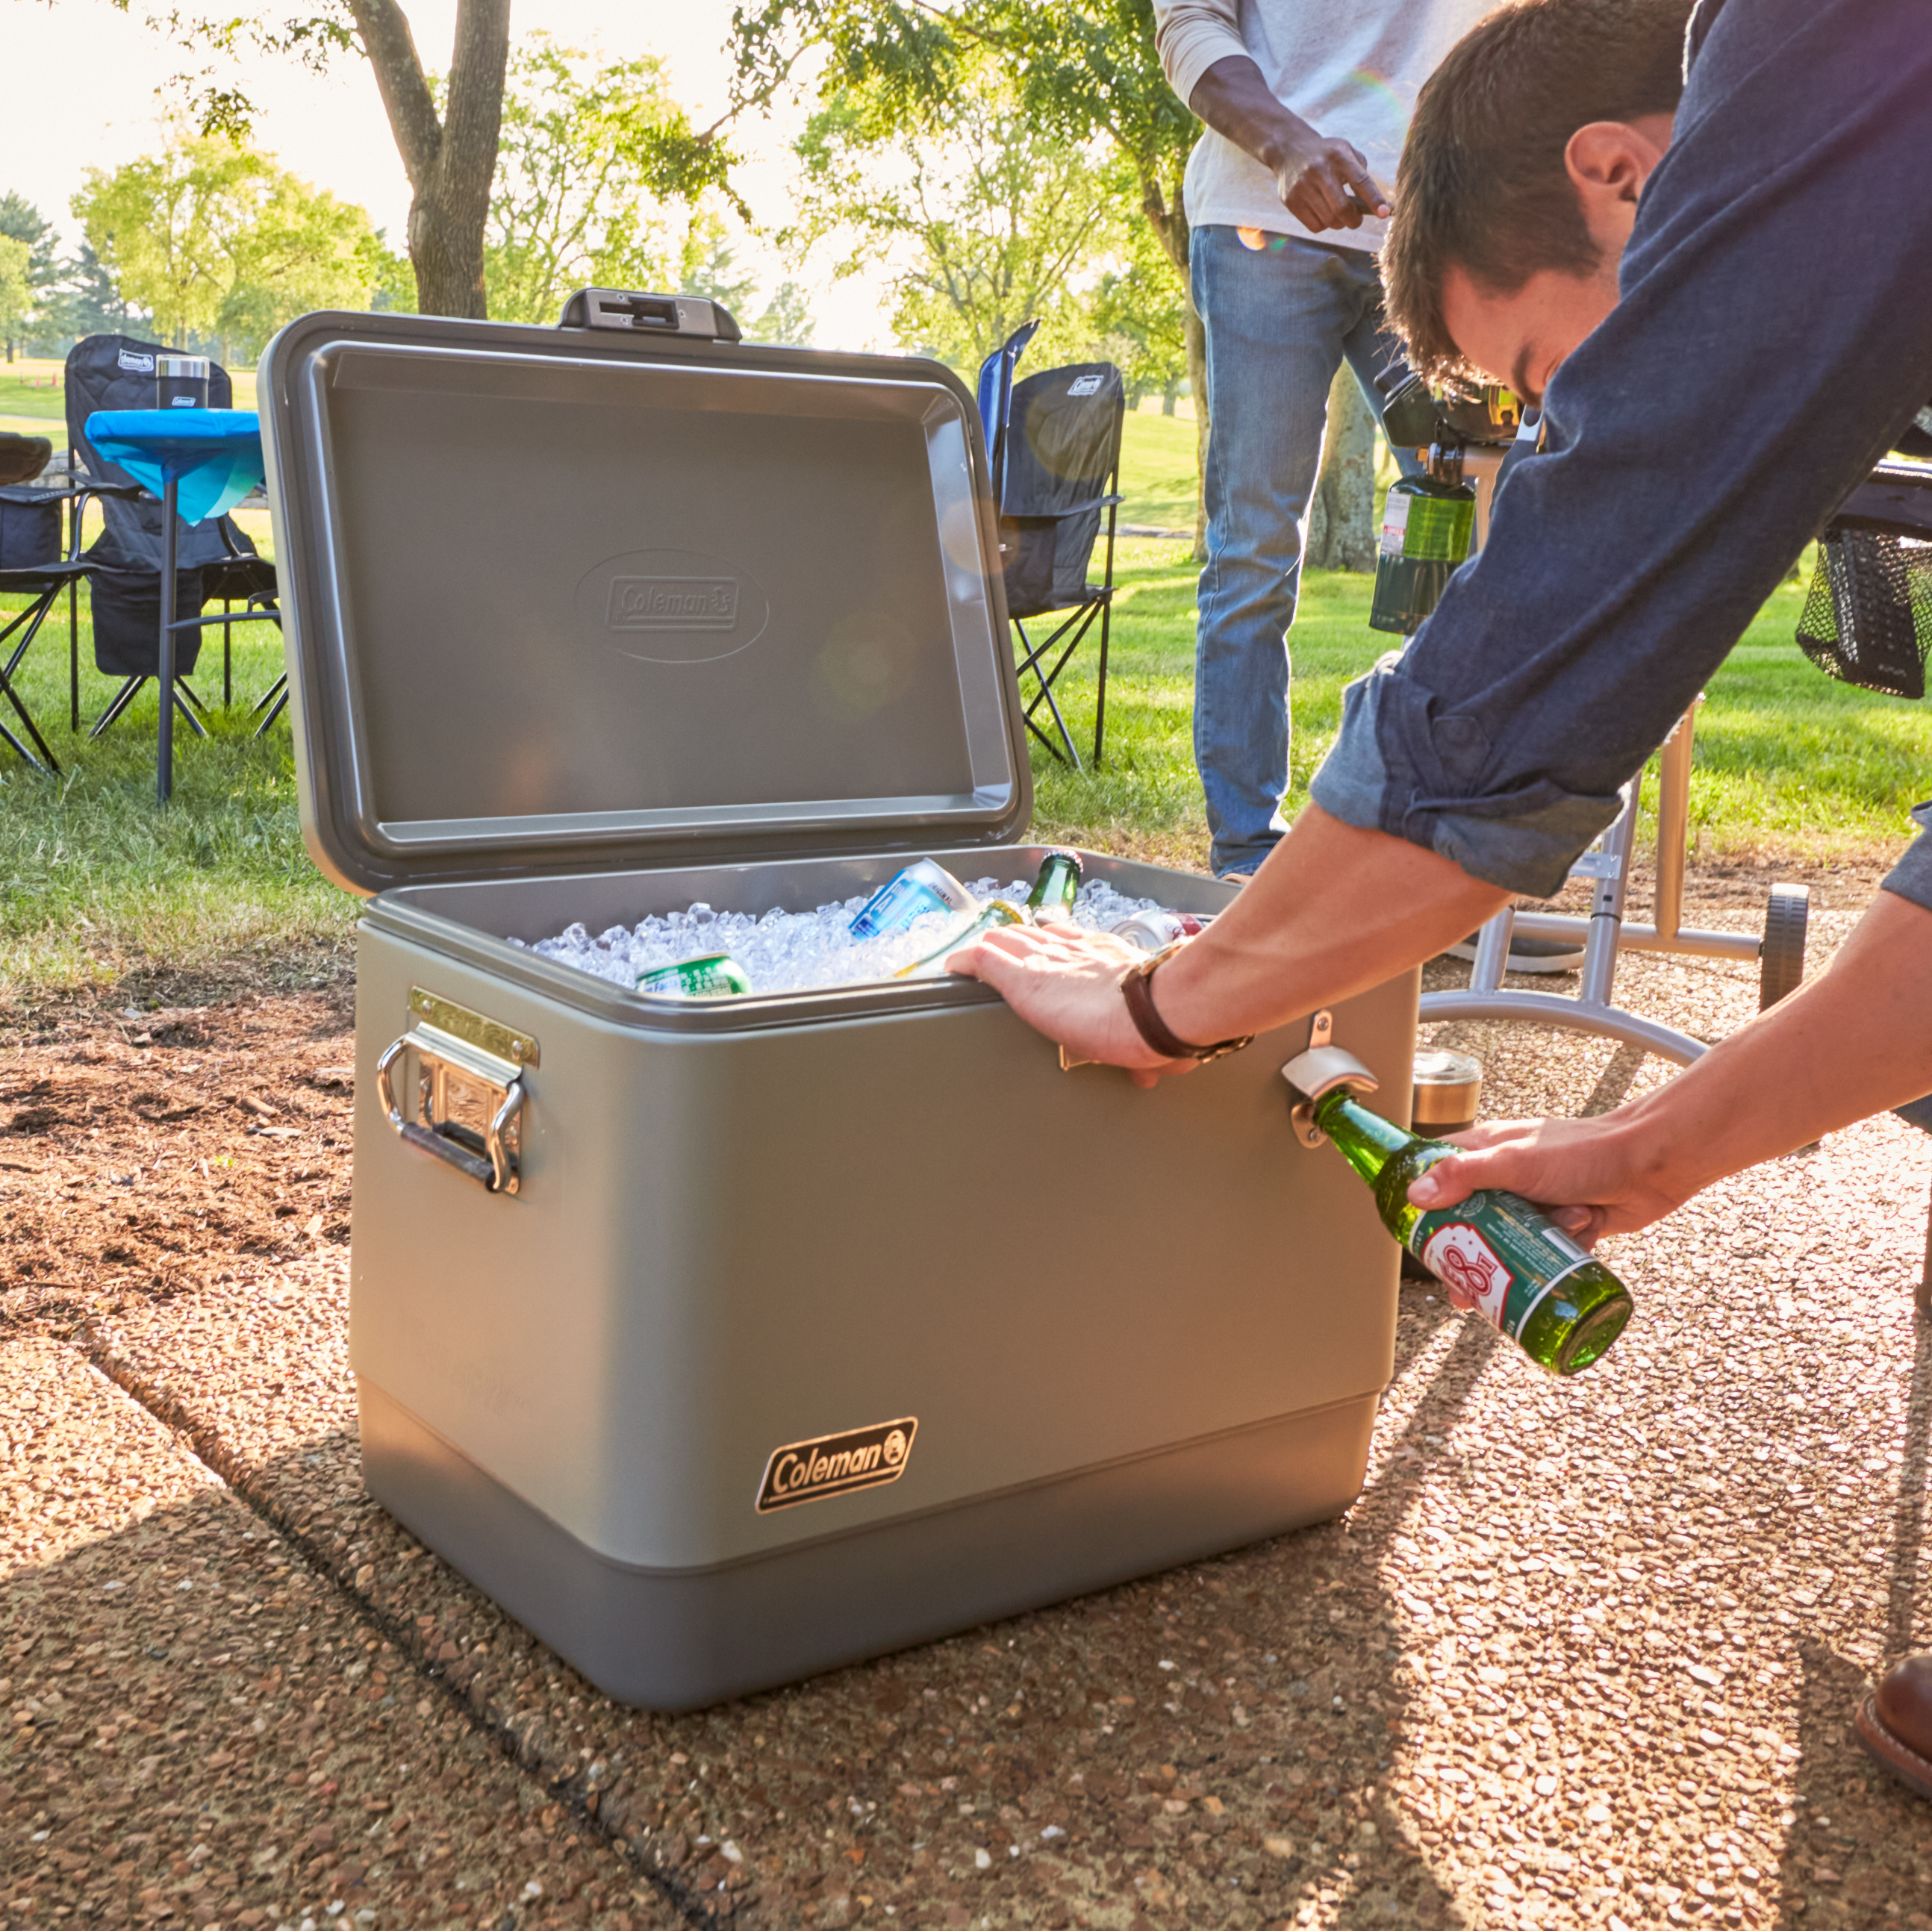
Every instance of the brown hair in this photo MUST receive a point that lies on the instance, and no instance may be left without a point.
(1482, 184)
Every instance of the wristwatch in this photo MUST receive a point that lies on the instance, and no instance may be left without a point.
(1138, 994)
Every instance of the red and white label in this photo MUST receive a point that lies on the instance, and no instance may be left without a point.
(1460, 1257)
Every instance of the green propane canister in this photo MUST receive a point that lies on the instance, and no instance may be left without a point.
(1427, 522)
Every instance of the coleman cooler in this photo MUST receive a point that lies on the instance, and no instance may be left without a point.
(724, 1341)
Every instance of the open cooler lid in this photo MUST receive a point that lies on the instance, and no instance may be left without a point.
(565, 598)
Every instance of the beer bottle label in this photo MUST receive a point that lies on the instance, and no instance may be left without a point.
(1497, 1251)
(1395, 523)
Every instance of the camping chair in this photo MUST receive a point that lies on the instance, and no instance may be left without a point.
(1056, 450)
(214, 559)
(32, 565)
(1868, 617)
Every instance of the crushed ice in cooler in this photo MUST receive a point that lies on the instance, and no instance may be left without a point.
(798, 952)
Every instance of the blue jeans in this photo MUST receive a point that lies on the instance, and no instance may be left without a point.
(1280, 323)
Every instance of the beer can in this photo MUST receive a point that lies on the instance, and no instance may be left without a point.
(921, 888)
(714, 975)
(1151, 931)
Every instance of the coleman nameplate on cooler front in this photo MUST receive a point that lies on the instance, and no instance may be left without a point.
(835, 1465)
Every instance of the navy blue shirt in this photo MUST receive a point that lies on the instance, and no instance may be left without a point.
(1774, 337)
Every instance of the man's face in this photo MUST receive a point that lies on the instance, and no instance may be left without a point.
(1522, 337)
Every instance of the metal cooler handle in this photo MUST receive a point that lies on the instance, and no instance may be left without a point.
(489, 1158)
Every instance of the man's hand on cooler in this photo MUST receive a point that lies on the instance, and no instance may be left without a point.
(1066, 983)
(1591, 1177)
(1323, 183)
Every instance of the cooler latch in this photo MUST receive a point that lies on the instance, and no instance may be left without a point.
(465, 1091)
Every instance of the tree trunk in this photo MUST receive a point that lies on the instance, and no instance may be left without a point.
(1341, 516)
(451, 162)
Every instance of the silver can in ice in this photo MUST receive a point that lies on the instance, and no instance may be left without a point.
(921, 888)
(1151, 931)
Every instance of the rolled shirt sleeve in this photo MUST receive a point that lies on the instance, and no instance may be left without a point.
(1191, 35)
(1770, 343)
(1911, 877)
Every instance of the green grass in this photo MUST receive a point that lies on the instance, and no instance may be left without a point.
(1157, 471)
(99, 887)
(1785, 758)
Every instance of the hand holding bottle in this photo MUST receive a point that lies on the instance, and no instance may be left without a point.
(1592, 1176)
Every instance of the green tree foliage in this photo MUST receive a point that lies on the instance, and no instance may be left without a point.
(980, 219)
(16, 289)
(1140, 315)
(446, 135)
(88, 302)
(221, 242)
(709, 267)
(1080, 69)
(581, 175)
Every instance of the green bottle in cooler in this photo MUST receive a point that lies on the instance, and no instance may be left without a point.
(1052, 899)
(1427, 522)
(1528, 1279)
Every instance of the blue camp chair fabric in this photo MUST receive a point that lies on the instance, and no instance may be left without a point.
(113, 373)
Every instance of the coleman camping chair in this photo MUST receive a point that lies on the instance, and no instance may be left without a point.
(213, 559)
(1056, 468)
(32, 565)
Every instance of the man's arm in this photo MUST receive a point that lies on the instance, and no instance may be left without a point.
(1853, 1042)
(1323, 184)
(1333, 911)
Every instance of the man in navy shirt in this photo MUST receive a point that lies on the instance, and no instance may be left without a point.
(1765, 336)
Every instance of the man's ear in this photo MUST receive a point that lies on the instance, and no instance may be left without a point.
(1608, 163)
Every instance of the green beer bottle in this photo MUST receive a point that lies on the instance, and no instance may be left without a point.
(1427, 522)
(715, 975)
(998, 913)
(1560, 1306)
(1055, 890)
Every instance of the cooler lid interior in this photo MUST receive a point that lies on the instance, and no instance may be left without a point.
(553, 601)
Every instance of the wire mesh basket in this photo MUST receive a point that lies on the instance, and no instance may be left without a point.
(1868, 619)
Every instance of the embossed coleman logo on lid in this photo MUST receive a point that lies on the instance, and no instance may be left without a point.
(836, 1465)
(674, 602)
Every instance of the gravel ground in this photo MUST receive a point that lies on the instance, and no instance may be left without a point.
(1584, 1653)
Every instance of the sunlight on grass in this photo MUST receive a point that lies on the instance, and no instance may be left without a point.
(97, 884)
(1785, 757)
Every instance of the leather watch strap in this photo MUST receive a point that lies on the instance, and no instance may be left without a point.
(1137, 990)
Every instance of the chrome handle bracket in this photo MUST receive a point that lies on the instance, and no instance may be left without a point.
(452, 1075)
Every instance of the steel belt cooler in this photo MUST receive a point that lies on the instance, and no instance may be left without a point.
(724, 1342)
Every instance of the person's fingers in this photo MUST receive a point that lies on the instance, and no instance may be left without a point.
(1582, 1224)
(1443, 1184)
(1363, 187)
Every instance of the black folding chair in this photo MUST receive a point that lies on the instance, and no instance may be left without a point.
(32, 565)
(213, 559)
(1056, 467)
(1868, 617)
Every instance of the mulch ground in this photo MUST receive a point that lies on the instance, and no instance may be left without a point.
(1583, 1652)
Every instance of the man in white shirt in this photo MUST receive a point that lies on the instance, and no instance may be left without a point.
(1307, 104)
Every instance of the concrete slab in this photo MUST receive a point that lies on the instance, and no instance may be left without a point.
(1585, 1653)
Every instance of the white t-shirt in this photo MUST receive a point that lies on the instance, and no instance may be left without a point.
(1351, 71)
